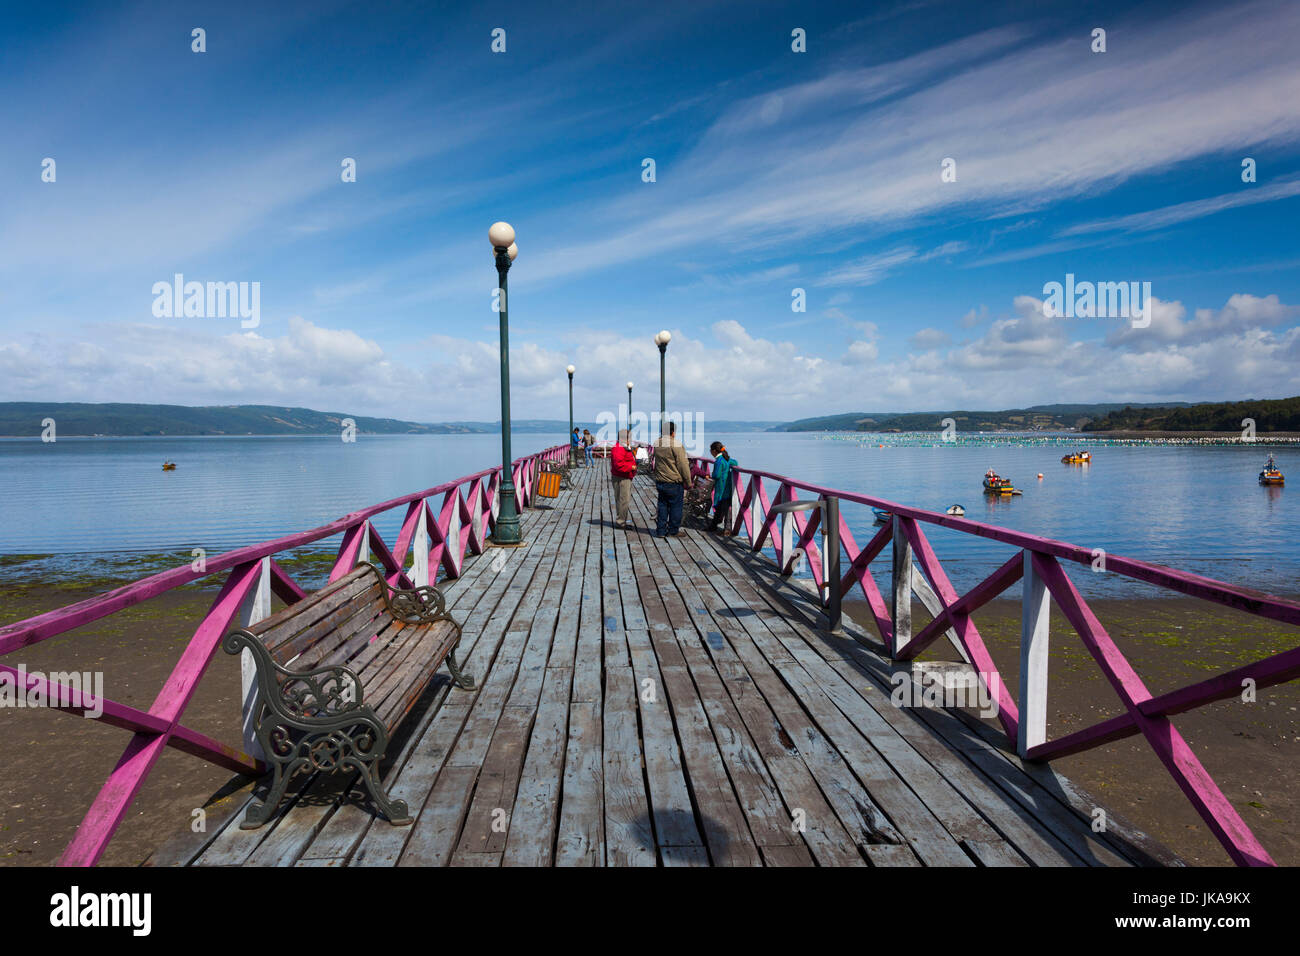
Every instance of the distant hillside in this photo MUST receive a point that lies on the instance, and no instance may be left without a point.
(1034, 418)
(1270, 415)
(77, 418)
(724, 425)
(848, 421)
(72, 419)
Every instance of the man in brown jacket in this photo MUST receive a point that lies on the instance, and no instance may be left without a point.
(672, 476)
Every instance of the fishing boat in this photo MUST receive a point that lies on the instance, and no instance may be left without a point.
(169, 466)
(881, 515)
(1271, 475)
(956, 511)
(1077, 458)
(995, 485)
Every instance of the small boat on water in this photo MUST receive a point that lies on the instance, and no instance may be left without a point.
(1271, 475)
(996, 485)
(881, 515)
(169, 466)
(1077, 458)
(957, 511)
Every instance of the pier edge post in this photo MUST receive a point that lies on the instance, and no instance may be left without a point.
(256, 607)
(1034, 642)
(900, 608)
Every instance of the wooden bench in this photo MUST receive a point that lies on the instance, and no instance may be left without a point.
(699, 502)
(337, 673)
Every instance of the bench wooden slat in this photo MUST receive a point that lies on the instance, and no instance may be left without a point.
(290, 641)
(341, 645)
(311, 608)
(435, 644)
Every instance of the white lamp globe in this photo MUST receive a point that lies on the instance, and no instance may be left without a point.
(512, 251)
(571, 370)
(501, 235)
(663, 338)
(629, 386)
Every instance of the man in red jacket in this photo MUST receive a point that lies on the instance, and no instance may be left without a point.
(622, 468)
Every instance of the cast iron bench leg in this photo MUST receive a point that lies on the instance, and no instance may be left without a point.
(463, 680)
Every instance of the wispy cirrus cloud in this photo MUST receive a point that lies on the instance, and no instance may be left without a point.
(1152, 219)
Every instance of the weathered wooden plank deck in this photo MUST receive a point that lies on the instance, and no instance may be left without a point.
(646, 701)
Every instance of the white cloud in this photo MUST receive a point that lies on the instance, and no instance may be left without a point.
(1250, 347)
(927, 339)
(1247, 195)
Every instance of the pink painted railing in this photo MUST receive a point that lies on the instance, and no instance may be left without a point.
(1037, 563)
(460, 527)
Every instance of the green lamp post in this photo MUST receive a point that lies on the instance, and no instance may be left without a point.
(662, 340)
(506, 530)
(569, 437)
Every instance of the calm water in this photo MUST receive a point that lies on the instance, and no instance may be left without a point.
(1192, 507)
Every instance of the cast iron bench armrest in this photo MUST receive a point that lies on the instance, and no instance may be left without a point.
(418, 605)
(322, 694)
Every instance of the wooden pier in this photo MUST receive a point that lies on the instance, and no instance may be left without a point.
(670, 701)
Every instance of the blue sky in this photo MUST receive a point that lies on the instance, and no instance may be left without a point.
(775, 170)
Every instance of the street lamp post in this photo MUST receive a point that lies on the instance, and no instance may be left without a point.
(506, 531)
(662, 340)
(569, 437)
(629, 414)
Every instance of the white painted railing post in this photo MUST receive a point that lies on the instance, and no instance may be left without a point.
(256, 607)
(452, 546)
(1034, 641)
(787, 543)
(363, 551)
(420, 550)
(901, 593)
(755, 511)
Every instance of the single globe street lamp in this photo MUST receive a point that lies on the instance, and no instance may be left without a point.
(506, 530)
(569, 437)
(629, 414)
(662, 340)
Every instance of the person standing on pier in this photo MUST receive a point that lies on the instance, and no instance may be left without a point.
(723, 483)
(622, 468)
(587, 443)
(573, 448)
(672, 476)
